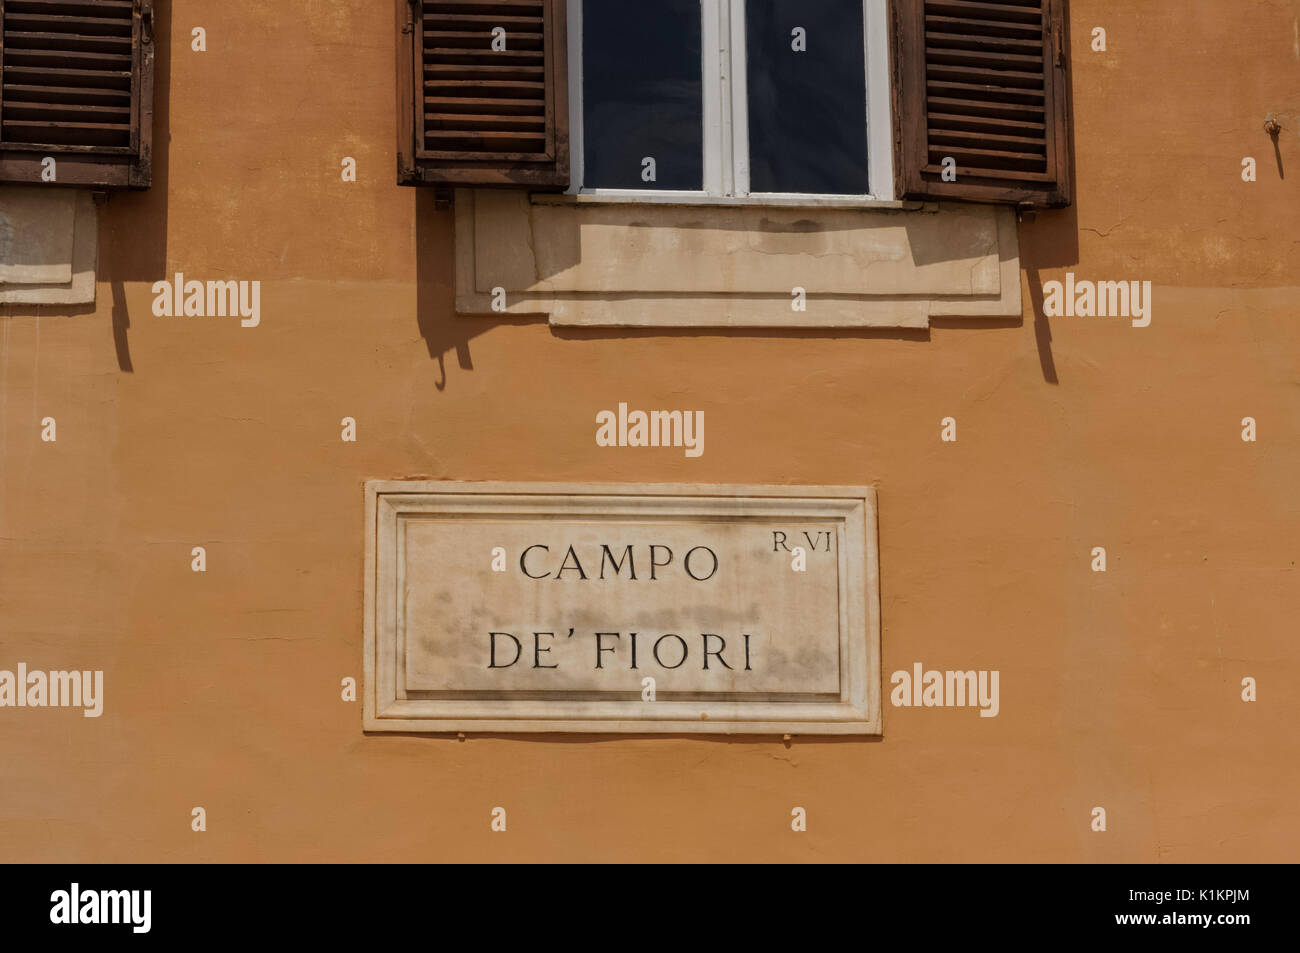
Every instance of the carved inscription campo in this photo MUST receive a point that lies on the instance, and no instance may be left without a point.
(546, 607)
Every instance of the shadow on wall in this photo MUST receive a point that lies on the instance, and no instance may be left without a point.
(1049, 240)
(775, 231)
(441, 327)
(133, 225)
(811, 334)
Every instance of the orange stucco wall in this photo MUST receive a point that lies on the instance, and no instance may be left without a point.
(1119, 690)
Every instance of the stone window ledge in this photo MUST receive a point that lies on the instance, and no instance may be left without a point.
(678, 198)
(633, 264)
(48, 245)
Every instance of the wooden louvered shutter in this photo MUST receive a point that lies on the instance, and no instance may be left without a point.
(473, 115)
(985, 83)
(76, 84)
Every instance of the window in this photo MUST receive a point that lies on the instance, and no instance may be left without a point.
(76, 92)
(730, 99)
(795, 102)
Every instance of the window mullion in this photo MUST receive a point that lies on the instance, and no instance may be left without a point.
(576, 146)
(880, 146)
(737, 100)
(713, 52)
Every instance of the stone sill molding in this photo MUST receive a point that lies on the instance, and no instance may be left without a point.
(766, 201)
(628, 264)
(48, 244)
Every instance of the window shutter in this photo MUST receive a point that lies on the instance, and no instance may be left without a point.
(985, 84)
(470, 114)
(76, 85)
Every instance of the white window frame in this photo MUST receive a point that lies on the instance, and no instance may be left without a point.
(726, 115)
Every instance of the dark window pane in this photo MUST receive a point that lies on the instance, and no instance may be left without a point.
(642, 94)
(807, 110)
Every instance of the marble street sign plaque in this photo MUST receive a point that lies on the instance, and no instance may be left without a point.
(521, 607)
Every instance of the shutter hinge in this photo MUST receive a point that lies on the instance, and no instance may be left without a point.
(145, 13)
(410, 16)
(405, 173)
(1059, 42)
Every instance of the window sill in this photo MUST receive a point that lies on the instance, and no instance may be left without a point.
(690, 199)
(48, 246)
(628, 263)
